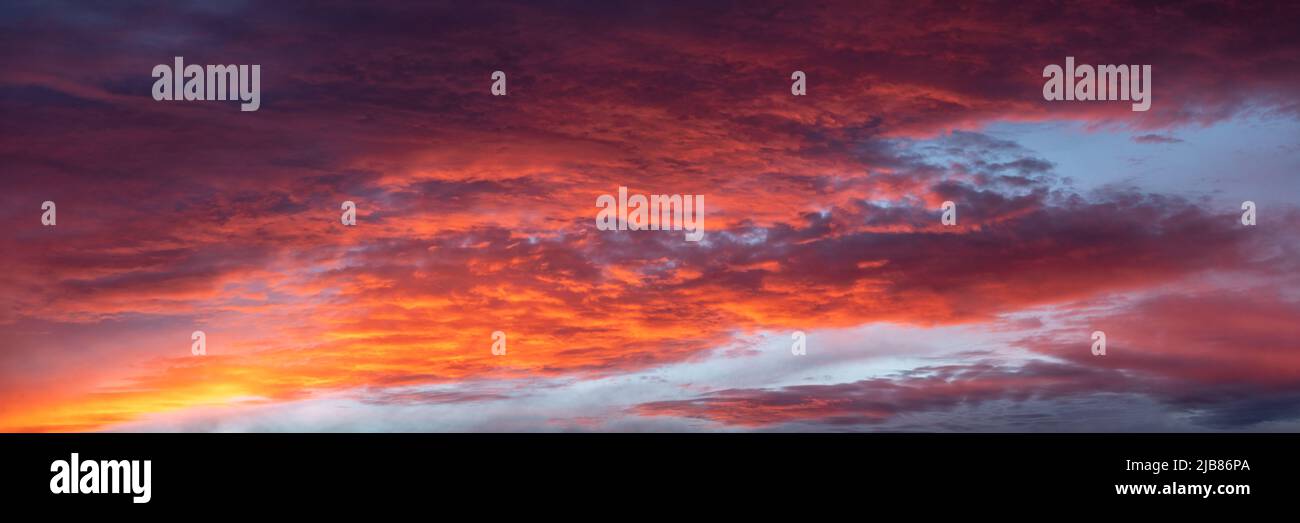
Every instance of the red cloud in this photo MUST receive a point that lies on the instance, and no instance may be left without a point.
(475, 212)
(1230, 358)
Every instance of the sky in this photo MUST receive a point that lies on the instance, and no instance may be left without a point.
(475, 214)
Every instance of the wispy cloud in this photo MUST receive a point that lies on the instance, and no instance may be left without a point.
(475, 212)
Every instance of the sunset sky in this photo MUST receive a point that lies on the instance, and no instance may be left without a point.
(476, 214)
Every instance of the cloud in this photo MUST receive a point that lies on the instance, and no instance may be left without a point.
(475, 211)
(1152, 138)
(875, 401)
(1223, 359)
